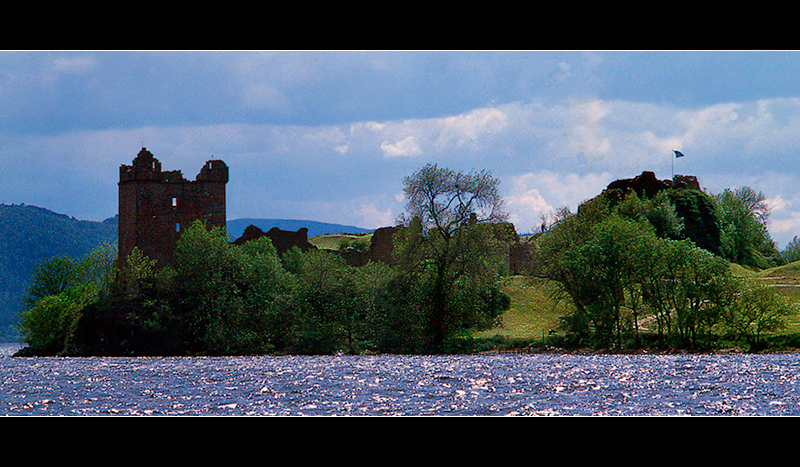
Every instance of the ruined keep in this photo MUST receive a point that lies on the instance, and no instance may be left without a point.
(155, 206)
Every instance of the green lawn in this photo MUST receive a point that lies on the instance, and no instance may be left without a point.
(533, 311)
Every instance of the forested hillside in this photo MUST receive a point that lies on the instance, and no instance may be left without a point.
(28, 235)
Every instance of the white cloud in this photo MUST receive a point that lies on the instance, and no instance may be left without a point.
(407, 147)
(469, 128)
(372, 217)
(372, 126)
(525, 207)
(532, 195)
(547, 155)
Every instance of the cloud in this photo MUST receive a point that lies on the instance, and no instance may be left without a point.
(470, 128)
(529, 196)
(372, 217)
(330, 135)
(407, 147)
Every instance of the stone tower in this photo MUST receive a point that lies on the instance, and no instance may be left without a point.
(154, 206)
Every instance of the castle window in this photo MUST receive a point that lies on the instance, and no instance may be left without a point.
(177, 227)
(174, 202)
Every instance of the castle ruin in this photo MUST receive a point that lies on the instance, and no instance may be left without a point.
(155, 205)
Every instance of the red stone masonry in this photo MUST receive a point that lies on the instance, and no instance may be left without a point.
(155, 206)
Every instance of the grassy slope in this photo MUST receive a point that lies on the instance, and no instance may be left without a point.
(332, 241)
(787, 280)
(534, 312)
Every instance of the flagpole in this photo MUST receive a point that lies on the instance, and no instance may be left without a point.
(675, 155)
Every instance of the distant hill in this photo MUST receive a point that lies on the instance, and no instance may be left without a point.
(236, 227)
(30, 234)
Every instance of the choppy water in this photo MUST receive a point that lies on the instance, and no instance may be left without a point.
(487, 385)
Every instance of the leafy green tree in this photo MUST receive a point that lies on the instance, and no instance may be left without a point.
(46, 327)
(99, 266)
(446, 249)
(52, 277)
(612, 266)
(559, 260)
(326, 291)
(658, 272)
(701, 223)
(659, 212)
(703, 290)
(60, 289)
(745, 239)
(138, 273)
(224, 292)
(600, 271)
(757, 309)
(755, 202)
(792, 251)
(371, 286)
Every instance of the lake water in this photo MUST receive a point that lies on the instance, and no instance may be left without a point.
(387, 385)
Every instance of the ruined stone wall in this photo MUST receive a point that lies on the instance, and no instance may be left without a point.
(155, 206)
(648, 185)
(282, 240)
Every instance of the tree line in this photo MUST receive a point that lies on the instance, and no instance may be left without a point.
(224, 299)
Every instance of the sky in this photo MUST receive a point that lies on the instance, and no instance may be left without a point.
(329, 135)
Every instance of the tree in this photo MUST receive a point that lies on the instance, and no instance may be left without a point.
(52, 277)
(599, 266)
(699, 215)
(445, 200)
(61, 288)
(446, 248)
(792, 251)
(703, 289)
(608, 260)
(745, 238)
(755, 202)
(52, 320)
(224, 292)
(756, 310)
(326, 302)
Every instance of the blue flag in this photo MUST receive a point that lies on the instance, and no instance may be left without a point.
(677, 153)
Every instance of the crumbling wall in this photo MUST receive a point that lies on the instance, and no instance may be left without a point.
(282, 240)
(521, 259)
(648, 185)
(381, 248)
